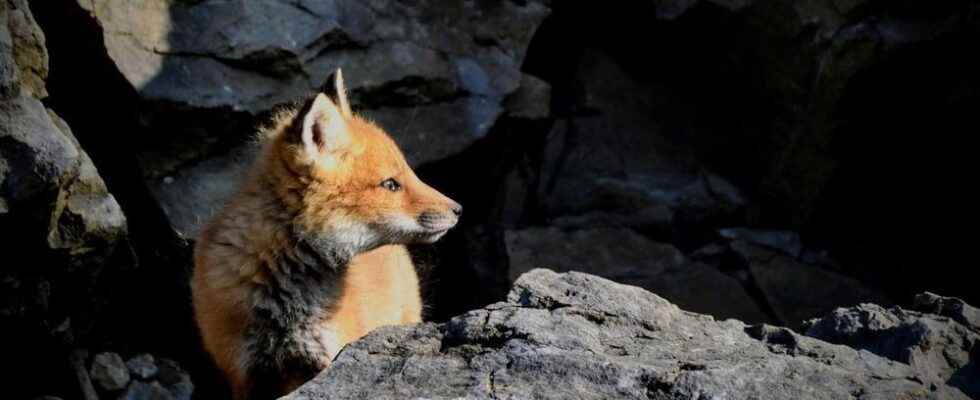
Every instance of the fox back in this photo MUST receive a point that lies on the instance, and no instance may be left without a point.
(309, 254)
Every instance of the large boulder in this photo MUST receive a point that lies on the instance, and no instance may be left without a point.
(436, 74)
(798, 291)
(941, 341)
(52, 199)
(577, 335)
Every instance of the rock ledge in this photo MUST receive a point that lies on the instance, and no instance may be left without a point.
(575, 335)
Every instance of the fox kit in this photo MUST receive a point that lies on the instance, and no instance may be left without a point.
(309, 255)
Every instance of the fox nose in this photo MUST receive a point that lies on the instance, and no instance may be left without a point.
(457, 209)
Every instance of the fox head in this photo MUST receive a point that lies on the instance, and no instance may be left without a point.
(350, 184)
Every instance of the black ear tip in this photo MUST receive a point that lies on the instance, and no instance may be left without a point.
(328, 86)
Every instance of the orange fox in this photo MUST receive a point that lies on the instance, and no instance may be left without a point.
(309, 255)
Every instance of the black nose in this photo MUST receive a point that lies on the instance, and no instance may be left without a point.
(457, 209)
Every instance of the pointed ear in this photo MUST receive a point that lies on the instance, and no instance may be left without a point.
(341, 93)
(323, 130)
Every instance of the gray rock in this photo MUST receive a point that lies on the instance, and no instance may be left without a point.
(435, 75)
(575, 335)
(44, 172)
(532, 100)
(671, 9)
(91, 220)
(626, 257)
(142, 366)
(23, 58)
(138, 390)
(939, 348)
(796, 291)
(949, 307)
(109, 371)
(77, 359)
(615, 156)
(787, 242)
(189, 197)
(654, 218)
(175, 379)
(46, 180)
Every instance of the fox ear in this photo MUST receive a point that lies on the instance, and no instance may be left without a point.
(323, 130)
(341, 93)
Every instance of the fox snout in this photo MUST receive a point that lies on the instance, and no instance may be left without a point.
(441, 220)
(437, 221)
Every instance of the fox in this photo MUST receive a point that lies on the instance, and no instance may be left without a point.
(310, 253)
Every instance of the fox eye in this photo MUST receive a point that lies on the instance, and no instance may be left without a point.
(391, 184)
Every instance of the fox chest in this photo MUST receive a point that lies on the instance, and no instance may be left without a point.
(380, 288)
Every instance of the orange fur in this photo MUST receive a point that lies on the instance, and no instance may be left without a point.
(325, 187)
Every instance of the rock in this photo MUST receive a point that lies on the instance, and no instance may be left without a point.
(77, 360)
(940, 349)
(142, 366)
(532, 100)
(614, 155)
(60, 223)
(46, 179)
(56, 211)
(183, 195)
(785, 241)
(91, 220)
(175, 379)
(949, 307)
(109, 371)
(23, 59)
(626, 257)
(655, 219)
(435, 75)
(574, 335)
(797, 292)
(670, 9)
(146, 391)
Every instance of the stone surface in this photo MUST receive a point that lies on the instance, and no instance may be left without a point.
(142, 366)
(627, 257)
(532, 100)
(575, 335)
(109, 371)
(175, 379)
(796, 291)
(146, 391)
(46, 176)
(787, 242)
(23, 58)
(949, 307)
(614, 155)
(938, 347)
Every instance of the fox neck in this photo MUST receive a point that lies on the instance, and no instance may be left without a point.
(301, 288)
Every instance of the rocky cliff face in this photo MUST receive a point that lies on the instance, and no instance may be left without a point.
(574, 335)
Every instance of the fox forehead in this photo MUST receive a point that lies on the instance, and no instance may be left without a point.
(376, 155)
